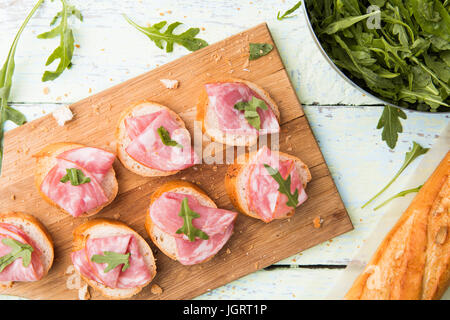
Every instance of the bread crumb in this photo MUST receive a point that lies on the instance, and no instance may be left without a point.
(170, 84)
(62, 115)
(70, 270)
(77, 45)
(73, 282)
(46, 90)
(6, 284)
(96, 109)
(228, 251)
(116, 216)
(155, 289)
(83, 293)
(317, 222)
(90, 90)
(13, 197)
(256, 265)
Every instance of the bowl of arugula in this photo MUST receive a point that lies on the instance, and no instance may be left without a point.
(397, 51)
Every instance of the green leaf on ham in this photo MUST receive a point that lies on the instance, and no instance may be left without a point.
(18, 250)
(284, 186)
(188, 228)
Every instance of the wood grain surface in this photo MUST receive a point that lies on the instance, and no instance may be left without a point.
(254, 244)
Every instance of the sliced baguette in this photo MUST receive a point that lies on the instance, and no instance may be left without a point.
(36, 231)
(210, 123)
(140, 109)
(237, 176)
(164, 241)
(46, 160)
(100, 228)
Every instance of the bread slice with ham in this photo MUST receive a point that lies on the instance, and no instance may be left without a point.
(254, 192)
(164, 223)
(86, 198)
(142, 149)
(99, 238)
(26, 230)
(224, 123)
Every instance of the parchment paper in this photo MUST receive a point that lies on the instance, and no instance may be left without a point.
(393, 212)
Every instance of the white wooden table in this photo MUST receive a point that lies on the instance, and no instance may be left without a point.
(343, 120)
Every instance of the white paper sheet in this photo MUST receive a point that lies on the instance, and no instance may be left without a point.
(393, 212)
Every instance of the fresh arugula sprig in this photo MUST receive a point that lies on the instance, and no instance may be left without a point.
(398, 195)
(416, 151)
(286, 15)
(187, 39)
(188, 228)
(75, 176)
(18, 250)
(284, 186)
(6, 74)
(250, 111)
(113, 259)
(165, 138)
(64, 51)
(257, 50)
(391, 125)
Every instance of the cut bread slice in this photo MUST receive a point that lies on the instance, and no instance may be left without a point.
(101, 228)
(237, 177)
(210, 124)
(46, 160)
(164, 241)
(36, 231)
(123, 140)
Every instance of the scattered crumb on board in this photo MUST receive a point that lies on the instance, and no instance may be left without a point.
(155, 289)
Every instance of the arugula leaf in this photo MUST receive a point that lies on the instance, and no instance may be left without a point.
(347, 22)
(165, 138)
(64, 51)
(250, 111)
(75, 176)
(257, 50)
(416, 151)
(71, 11)
(390, 122)
(288, 12)
(186, 39)
(284, 186)
(18, 250)
(113, 259)
(188, 228)
(398, 195)
(6, 74)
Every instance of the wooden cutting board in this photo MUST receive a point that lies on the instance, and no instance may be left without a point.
(254, 244)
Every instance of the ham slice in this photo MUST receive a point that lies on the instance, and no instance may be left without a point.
(216, 223)
(16, 271)
(147, 148)
(137, 274)
(262, 193)
(76, 200)
(223, 97)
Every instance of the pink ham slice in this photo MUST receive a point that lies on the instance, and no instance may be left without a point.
(223, 97)
(137, 274)
(262, 189)
(16, 271)
(216, 223)
(76, 200)
(147, 148)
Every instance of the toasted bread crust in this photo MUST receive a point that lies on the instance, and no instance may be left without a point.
(203, 101)
(236, 169)
(121, 144)
(41, 171)
(80, 236)
(167, 187)
(8, 217)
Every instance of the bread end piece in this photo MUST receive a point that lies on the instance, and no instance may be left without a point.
(99, 228)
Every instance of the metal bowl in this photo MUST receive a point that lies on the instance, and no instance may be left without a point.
(383, 101)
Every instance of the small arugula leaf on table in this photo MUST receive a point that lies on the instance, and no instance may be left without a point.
(288, 12)
(165, 138)
(75, 176)
(250, 111)
(416, 151)
(113, 259)
(257, 50)
(64, 51)
(398, 195)
(188, 228)
(187, 39)
(18, 250)
(6, 74)
(284, 186)
(390, 122)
